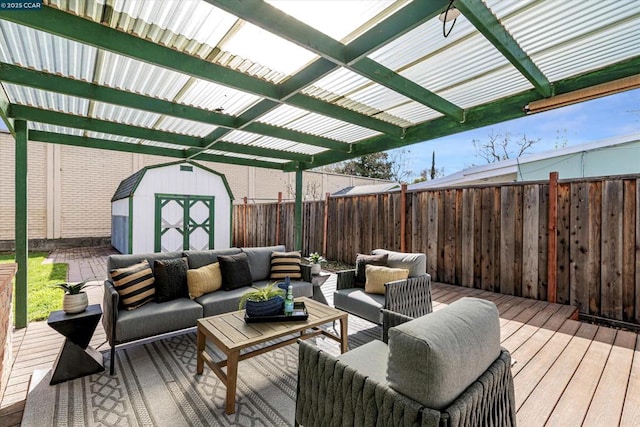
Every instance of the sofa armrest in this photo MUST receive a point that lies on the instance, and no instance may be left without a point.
(305, 270)
(391, 319)
(346, 279)
(110, 302)
(411, 297)
(330, 392)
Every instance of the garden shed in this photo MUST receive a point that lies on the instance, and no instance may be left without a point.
(169, 207)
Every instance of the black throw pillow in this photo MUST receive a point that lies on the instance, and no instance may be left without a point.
(171, 279)
(361, 264)
(235, 271)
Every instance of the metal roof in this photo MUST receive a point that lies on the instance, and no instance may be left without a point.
(292, 85)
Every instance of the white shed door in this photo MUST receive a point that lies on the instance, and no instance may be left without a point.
(184, 222)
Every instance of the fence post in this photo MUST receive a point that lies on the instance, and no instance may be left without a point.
(278, 217)
(244, 225)
(403, 217)
(325, 225)
(552, 240)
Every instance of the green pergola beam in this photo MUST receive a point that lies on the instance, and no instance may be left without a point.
(96, 125)
(21, 232)
(483, 115)
(398, 24)
(51, 82)
(4, 109)
(485, 21)
(274, 20)
(94, 34)
(104, 144)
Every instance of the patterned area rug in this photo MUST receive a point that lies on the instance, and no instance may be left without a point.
(155, 385)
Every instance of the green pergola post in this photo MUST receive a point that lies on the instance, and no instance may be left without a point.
(21, 223)
(298, 211)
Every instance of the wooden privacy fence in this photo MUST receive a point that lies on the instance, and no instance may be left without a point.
(494, 238)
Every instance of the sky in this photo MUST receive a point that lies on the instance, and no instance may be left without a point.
(590, 121)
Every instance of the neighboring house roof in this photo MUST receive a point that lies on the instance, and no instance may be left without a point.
(367, 189)
(511, 170)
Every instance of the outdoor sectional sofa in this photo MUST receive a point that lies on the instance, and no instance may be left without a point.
(153, 318)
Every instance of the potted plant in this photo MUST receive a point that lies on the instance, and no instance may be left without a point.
(315, 259)
(267, 301)
(75, 299)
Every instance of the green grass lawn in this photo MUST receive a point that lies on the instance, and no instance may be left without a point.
(41, 297)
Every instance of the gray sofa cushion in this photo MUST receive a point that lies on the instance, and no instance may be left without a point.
(360, 303)
(197, 259)
(434, 358)
(416, 263)
(260, 260)
(219, 302)
(120, 261)
(157, 318)
(369, 360)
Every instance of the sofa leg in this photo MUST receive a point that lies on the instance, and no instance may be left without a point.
(113, 357)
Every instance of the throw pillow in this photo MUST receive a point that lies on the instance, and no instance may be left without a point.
(378, 276)
(135, 285)
(362, 261)
(235, 271)
(171, 279)
(204, 280)
(285, 264)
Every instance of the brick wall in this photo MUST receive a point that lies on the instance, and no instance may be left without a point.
(70, 188)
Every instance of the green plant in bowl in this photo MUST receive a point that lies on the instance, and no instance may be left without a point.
(261, 294)
(72, 288)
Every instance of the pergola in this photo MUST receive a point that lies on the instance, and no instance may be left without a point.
(293, 85)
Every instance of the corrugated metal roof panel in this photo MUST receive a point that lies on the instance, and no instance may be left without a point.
(414, 112)
(111, 137)
(186, 127)
(44, 127)
(338, 19)
(129, 74)
(114, 113)
(351, 133)
(47, 100)
(254, 140)
(45, 52)
(267, 49)
(211, 96)
(341, 82)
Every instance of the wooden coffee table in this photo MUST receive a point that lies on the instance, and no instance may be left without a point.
(231, 334)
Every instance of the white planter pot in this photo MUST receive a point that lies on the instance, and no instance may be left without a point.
(315, 269)
(76, 303)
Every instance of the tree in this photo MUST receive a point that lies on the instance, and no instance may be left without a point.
(376, 165)
(431, 173)
(433, 165)
(502, 146)
(399, 165)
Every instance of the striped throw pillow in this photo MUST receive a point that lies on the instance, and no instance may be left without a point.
(134, 284)
(285, 264)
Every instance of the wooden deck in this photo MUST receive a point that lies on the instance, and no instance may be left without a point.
(566, 372)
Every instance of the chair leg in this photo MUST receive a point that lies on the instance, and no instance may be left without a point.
(113, 357)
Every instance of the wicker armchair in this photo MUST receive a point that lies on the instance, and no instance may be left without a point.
(445, 369)
(410, 297)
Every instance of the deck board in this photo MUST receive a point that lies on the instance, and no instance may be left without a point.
(565, 371)
(608, 400)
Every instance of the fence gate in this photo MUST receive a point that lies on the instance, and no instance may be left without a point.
(184, 222)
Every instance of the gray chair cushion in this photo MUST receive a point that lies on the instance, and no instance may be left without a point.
(120, 261)
(369, 360)
(260, 260)
(416, 263)
(157, 318)
(360, 303)
(434, 358)
(197, 259)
